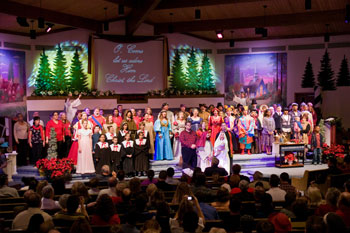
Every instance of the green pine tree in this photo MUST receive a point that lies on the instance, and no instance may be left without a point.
(206, 76)
(177, 80)
(44, 79)
(78, 78)
(325, 76)
(308, 77)
(343, 75)
(59, 72)
(192, 77)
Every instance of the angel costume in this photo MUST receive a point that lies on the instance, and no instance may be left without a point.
(71, 108)
(222, 151)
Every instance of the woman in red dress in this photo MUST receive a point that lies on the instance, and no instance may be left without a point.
(117, 118)
(214, 125)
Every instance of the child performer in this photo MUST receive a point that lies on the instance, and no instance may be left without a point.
(102, 154)
(115, 149)
(297, 127)
(123, 131)
(141, 154)
(127, 153)
(36, 139)
(110, 134)
(257, 131)
(85, 163)
(204, 148)
(316, 145)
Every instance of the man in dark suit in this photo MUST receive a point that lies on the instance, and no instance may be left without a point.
(214, 168)
(277, 117)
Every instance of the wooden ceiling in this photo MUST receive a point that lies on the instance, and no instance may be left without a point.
(282, 18)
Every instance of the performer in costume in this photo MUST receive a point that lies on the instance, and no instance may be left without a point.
(268, 131)
(294, 113)
(123, 131)
(36, 140)
(110, 134)
(67, 133)
(222, 148)
(145, 133)
(183, 110)
(214, 124)
(117, 119)
(85, 163)
(297, 127)
(277, 117)
(95, 136)
(306, 129)
(109, 122)
(97, 119)
(141, 154)
(204, 148)
(71, 107)
(230, 123)
(257, 132)
(169, 114)
(204, 114)
(115, 150)
(102, 154)
(286, 124)
(149, 127)
(195, 120)
(127, 153)
(246, 131)
(178, 127)
(59, 129)
(148, 111)
(162, 127)
(188, 139)
(136, 118)
(132, 128)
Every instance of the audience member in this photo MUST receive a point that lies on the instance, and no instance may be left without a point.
(236, 169)
(21, 221)
(135, 186)
(105, 174)
(209, 211)
(289, 199)
(161, 184)
(276, 193)
(150, 180)
(217, 230)
(258, 177)
(111, 190)
(151, 226)
(163, 216)
(47, 202)
(315, 224)
(245, 194)
(215, 168)
(285, 185)
(314, 195)
(67, 218)
(34, 223)
(63, 201)
(334, 223)
(130, 225)
(80, 225)
(189, 222)
(222, 200)
(344, 208)
(170, 177)
(40, 186)
(332, 197)
(200, 185)
(79, 189)
(59, 185)
(6, 191)
(247, 223)
(280, 222)
(300, 209)
(105, 213)
(265, 227)
(181, 190)
(93, 184)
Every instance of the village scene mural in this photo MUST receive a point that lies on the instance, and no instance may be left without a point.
(259, 76)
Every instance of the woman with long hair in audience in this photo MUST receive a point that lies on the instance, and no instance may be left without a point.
(182, 189)
(105, 213)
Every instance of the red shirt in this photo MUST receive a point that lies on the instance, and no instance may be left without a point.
(59, 128)
(324, 209)
(345, 215)
(137, 121)
(66, 126)
(99, 118)
(188, 138)
(97, 220)
(118, 120)
(318, 141)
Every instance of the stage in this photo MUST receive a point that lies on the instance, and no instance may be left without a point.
(250, 163)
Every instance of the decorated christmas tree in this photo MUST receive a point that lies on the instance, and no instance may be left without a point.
(206, 76)
(343, 75)
(52, 150)
(44, 79)
(308, 77)
(177, 80)
(59, 72)
(78, 78)
(325, 76)
(192, 82)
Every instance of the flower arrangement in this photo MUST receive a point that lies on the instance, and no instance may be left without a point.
(289, 158)
(54, 167)
(333, 151)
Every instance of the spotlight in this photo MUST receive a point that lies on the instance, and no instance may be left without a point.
(327, 37)
(264, 33)
(22, 21)
(232, 43)
(197, 14)
(347, 13)
(307, 4)
(106, 26)
(32, 34)
(49, 27)
(120, 9)
(219, 34)
(41, 22)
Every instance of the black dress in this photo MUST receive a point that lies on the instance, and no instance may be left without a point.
(141, 155)
(121, 135)
(115, 151)
(109, 137)
(128, 163)
(102, 156)
(145, 136)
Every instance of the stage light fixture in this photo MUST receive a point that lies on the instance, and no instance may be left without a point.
(121, 10)
(307, 4)
(49, 27)
(41, 22)
(22, 21)
(219, 34)
(347, 13)
(197, 14)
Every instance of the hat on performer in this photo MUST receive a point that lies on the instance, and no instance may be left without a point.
(219, 105)
(303, 104)
(246, 108)
(215, 109)
(294, 104)
(254, 101)
(285, 109)
(225, 106)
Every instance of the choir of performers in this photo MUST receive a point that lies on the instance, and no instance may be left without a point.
(127, 154)
(162, 127)
(178, 127)
(85, 163)
(141, 153)
(222, 148)
(115, 150)
(245, 131)
(102, 154)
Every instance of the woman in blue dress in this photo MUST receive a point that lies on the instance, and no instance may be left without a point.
(196, 121)
(162, 127)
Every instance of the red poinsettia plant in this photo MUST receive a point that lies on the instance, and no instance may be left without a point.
(333, 151)
(55, 167)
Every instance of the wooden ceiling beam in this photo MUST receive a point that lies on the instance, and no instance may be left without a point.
(252, 22)
(32, 12)
(139, 14)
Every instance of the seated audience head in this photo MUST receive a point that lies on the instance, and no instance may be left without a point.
(223, 195)
(315, 224)
(150, 174)
(344, 201)
(300, 208)
(73, 202)
(79, 189)
(112, 182)
(40, 186)
(284, 177)
(116, 229)
(334, 223)
(81, 226)
(243, 185)
(34, 223)
(34, 200)
(182, 189)
(289, 199)
(162, 175)
(120, 187)
(200, 179)
(236, 169)
(105, 170)
(190, 221)
(151, 226)
(48, 192)
(280, 222)
(314, 195)
(234, 181)
(59, 185)
(274, 181)
(257, 176)
(126, 195)
(93, 182)
(235, 205)
(27, 194)
(332, 196)
(151, 188)
(121, 175)
(135, 185)
(184, 207)
(62, 201)
(265, 227)
(170, 172)
(247, 223)
(104, 207)
(215, 162)
(226, 186)
(217, 230)
(141, 202)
